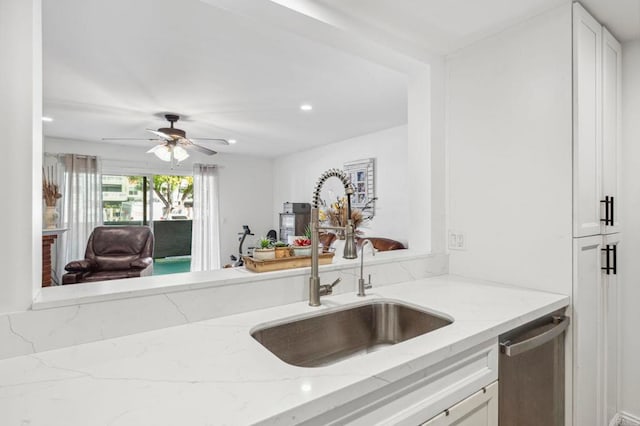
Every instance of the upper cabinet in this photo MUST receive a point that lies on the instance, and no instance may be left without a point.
(611, 128)
(596, 124)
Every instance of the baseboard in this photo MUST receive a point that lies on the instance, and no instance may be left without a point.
(625, 419)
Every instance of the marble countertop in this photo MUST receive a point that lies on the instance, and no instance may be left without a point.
(69, 295)
(214, 373)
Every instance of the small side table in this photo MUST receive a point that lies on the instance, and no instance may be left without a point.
(48, 239)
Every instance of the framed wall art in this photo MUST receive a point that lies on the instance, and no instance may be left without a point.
(362, 175)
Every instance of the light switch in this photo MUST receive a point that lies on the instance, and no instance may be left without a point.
(456, 240)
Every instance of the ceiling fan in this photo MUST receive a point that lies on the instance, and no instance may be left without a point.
(174, 142)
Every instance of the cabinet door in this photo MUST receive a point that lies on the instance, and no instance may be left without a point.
(587, 332)
(611, 320)
(611, 119)
(587, 123)
(480, 409)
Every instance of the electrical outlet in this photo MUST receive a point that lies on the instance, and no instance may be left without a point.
(457, 240)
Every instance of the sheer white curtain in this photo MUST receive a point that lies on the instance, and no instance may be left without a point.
(81, 209)
(205, 241)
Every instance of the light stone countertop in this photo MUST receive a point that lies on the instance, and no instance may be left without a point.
(214, 373)
(69, 295)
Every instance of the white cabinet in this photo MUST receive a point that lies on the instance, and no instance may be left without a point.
(596, 158)
(480, 409)
(587, 122)
(611, 133)
(611, 319)
(595, 330)
(596, 126)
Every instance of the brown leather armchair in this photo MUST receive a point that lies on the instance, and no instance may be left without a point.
(379, 243)
(113, 252)
(382, 244)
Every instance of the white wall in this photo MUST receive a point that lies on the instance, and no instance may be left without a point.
(20, 118)
(629, 208)
(295, 177)
(509, 145)
(245, 183)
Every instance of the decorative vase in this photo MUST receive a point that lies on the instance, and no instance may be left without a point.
(51, 217)
(264, 254)
(302, 250)
(282, 252)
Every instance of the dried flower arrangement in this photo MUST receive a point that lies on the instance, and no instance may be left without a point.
(336, 214)
(50, 192)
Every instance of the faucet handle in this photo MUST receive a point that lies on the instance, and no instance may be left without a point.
(327, 289)
(362, 286)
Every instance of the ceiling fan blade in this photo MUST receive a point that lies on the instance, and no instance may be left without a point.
(220, 141)
(129, 139)
(188, 144)
(202, 149)
(162, 135)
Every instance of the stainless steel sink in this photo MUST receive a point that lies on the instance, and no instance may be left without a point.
(343, 333)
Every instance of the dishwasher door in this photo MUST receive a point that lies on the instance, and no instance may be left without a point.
(531, 373)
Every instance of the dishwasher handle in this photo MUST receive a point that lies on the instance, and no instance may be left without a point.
(513, 349)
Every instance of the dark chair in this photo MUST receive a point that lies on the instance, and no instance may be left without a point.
(326, 239)
(113, 252)
(382, 244)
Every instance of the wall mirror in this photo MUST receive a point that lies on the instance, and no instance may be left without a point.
(293, 107)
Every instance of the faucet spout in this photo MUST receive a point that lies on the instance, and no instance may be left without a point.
(350, 249)
(361, 284)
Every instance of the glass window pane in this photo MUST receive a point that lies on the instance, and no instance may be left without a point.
(122, 200)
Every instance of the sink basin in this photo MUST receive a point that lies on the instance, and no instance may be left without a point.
(332, 336)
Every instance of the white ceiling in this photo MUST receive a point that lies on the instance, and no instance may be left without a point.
(443, 26)
(111, 66)
(621, 17)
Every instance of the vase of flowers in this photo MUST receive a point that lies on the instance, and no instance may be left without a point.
(51, 195)
(336, 215)
(265, 250)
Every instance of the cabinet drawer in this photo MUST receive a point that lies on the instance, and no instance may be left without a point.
(480, 409)
(425, 393)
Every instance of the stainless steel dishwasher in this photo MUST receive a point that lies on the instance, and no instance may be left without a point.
(531, 373)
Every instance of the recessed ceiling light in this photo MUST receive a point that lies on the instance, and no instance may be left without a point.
(232, 141)
(47, 119)
(306, 107)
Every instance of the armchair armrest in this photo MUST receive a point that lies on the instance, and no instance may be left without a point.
(142, 263)
(83, 265)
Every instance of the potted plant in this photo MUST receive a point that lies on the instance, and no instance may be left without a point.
(265, 250)
(282, 250)
(302, 246)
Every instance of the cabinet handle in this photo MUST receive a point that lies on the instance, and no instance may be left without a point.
(607, 267)
(607, 202)
(611, 217)
(613, 249)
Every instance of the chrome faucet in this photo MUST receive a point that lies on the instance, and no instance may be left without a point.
(350, 250)
(361, 285)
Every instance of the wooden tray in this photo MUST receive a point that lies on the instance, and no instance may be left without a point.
(256, 265)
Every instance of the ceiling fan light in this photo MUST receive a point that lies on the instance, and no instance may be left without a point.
(180, 153)
(163, 152)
